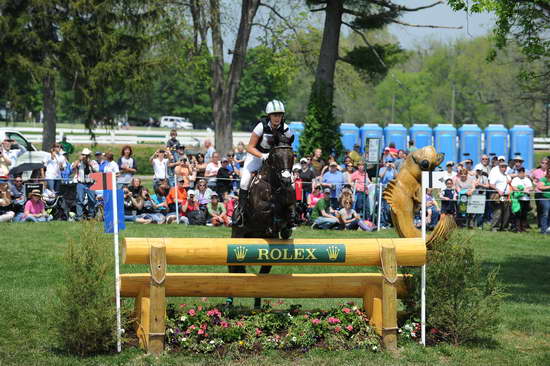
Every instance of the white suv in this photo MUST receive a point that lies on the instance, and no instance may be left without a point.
(176, 123)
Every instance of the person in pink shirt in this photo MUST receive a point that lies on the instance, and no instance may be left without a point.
(360, 179)
(35, 209)
(536, 175)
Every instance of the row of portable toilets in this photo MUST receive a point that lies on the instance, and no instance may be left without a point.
(468, 141)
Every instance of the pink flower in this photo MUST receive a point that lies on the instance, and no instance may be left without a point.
(200, 331)
(258, 331)
(239, 324)
(349, 327)
(337, 328)
(224, 324)
(315, 321)
(213, 312)
(191, 312)
(199, 308)
(333, 320)
(306, 316)
(183, 305)
(346, 310)
(204, 326)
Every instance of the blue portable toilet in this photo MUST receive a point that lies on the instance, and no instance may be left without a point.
(445, 142)
(297, 129)
(421, 134)
(496, 140)
(469, 142)
(397, 134)
(521, 143)
(371, 131)
(349, 135)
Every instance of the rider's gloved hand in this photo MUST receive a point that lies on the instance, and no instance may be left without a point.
(265, 156)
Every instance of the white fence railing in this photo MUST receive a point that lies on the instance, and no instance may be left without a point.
(131, 137)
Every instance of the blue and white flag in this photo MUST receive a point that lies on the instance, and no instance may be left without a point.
(109, 214)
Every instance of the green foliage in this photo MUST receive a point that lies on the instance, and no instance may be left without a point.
(464, 302)
(526, 21)
(321, 129)
(85, 314)
(367, 62)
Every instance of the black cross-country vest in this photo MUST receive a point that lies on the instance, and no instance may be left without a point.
(267, 135)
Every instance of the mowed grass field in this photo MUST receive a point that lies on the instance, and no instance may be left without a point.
(30, 268)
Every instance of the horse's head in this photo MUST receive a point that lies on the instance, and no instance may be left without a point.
(281, 159)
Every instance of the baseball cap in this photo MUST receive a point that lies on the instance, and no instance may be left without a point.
(98, 153)
(190, 192)
(518, 158)
(326, 190)
(451, 163)
(303, 160)
(501, 158)
(224, 160)
(213, 194)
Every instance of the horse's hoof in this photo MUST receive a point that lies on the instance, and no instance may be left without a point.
(286, 233)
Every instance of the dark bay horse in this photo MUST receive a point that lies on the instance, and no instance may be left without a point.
(271, 208)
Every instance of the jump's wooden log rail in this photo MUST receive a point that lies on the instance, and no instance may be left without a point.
(378, 291)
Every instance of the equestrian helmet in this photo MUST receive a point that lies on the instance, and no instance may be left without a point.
(274, 106)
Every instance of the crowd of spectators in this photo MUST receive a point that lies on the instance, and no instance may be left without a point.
(336, 193)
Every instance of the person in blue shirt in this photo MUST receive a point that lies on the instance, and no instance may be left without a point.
(333, 179)
(101, 161)
(67, 169)
(386, 174)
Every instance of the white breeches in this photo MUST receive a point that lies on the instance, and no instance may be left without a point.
(251, 165)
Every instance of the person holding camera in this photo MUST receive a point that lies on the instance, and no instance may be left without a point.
(55, 163)
(160, 160)
(184, 169)
(83, 167)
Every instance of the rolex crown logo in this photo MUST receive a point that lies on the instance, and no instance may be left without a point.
(333, 252)
(240, 253)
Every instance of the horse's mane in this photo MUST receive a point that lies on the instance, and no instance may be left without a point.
(280, 139)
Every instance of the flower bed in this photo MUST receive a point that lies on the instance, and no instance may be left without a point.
(203, 329)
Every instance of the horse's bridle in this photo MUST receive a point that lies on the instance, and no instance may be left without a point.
(283, 174)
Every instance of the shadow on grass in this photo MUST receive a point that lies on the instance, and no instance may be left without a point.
(527, 278)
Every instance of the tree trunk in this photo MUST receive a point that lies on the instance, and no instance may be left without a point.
(324, 76)
(50, 116)
(224, 91)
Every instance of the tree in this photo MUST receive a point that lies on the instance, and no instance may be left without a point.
(96, 45)
(372, 58)
(527, 21)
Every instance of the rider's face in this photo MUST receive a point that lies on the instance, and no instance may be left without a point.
(276, 118)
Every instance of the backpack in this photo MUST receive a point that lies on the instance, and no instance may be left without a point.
(197, 217)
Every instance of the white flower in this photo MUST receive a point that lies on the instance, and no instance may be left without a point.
(374, 348)
(293, 339)
(183, 318)
(170, 330)
(354, 308)
(122, 331)
(212, 341)
(184, 339)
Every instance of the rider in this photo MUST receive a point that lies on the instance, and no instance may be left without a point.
(260, 144)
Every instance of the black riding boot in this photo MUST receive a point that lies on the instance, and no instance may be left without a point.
(239, 212)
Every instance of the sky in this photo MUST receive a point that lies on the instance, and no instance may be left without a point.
(473, 25)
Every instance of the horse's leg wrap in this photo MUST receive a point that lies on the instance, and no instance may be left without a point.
(239, 212)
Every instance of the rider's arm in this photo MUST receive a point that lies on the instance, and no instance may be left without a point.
(251, 147)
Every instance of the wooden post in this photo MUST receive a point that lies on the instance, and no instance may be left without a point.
(372, 303)
(142, 310)
(157, 293)
(389, 297)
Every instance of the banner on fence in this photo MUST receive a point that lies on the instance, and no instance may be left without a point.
(373, 150)
(476, 204)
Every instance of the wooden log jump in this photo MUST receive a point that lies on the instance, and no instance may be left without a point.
(379, 291)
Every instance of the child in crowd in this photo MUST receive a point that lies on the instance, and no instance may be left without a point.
(448, 198)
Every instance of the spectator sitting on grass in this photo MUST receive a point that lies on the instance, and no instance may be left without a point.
(203, 194)
(152, 212)
(348, 218)
(6, 214)
(216, 211)
(35, 209)
(323, 216)
(171, 197)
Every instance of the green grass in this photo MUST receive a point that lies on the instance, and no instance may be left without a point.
(30, 257)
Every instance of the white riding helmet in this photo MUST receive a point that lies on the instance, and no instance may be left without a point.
(274, 106)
